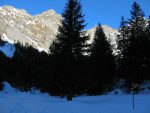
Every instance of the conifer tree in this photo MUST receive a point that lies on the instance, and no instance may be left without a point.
(69, 46)
(137, 45)
(146, 40)
(69, 40)
(122, 36)
(122, 44)
(102, 59)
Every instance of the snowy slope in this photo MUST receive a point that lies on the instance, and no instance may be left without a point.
(13, 101)
(8, 49)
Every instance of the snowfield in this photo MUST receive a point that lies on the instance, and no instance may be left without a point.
(14, 101)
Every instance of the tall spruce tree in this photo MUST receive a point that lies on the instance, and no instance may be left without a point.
(69, 40)
(122, 36)
(102, 60)
(136, 57)
(122, 44)
(69, 47)
(146, 51)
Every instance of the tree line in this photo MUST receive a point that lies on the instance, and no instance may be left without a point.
(74, 66)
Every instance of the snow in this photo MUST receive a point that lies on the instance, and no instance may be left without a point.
(117, 92)
(145, 88)
(31, 22)
(8, 88)
(8, 49)
(40, 49)
(5, 38)
(13, 101)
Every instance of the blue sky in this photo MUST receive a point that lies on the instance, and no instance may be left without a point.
(104, 11)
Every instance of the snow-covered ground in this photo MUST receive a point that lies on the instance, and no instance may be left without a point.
(14, 101)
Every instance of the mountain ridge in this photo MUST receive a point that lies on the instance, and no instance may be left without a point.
(38, 30)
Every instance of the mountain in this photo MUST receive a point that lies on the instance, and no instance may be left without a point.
(110, 33)
(39, 30)
(18, 25)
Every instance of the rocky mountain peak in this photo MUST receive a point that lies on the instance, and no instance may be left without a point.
(13, 11)
(109, 29)
(49, 12)
(39, 30)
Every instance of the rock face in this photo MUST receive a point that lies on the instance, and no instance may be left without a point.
(39, 30)
(110, 33)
